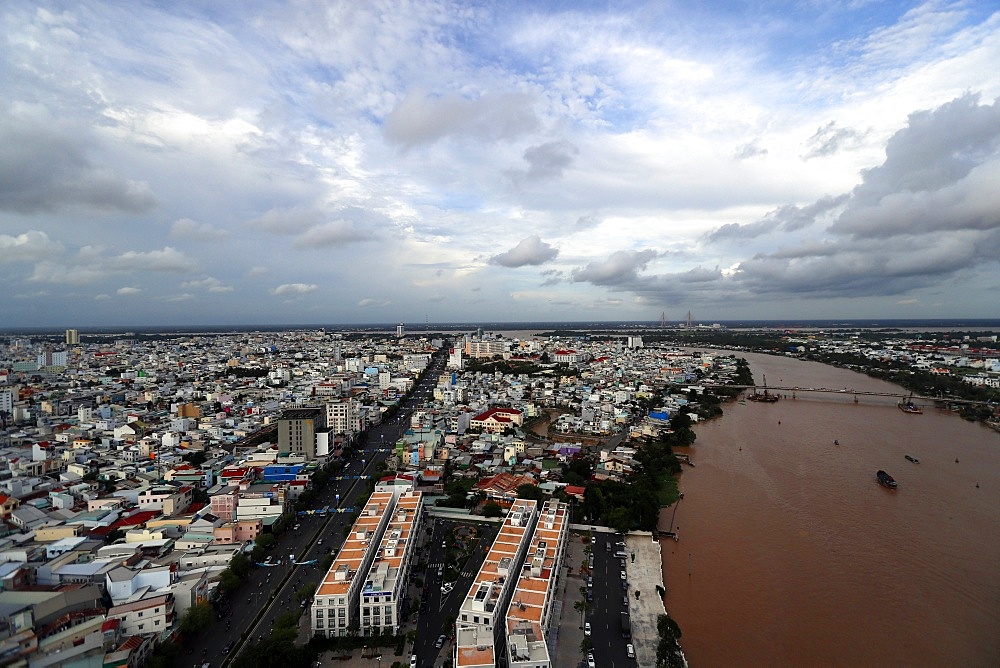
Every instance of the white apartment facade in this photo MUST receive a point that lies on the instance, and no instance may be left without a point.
(529, 615)
(481, 625)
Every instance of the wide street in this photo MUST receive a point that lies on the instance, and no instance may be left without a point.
(269, 591)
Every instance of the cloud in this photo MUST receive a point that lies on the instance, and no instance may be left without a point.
(529, 251)
(786, 218)
(621, 267)
(209, 283)
(167, 259)
(258, 271)
(829, 139)
(334, 233)
(294, 289)
(292, 221)
(29, 246)
(751, 149)
(44, 167)
(368, 302)
(127, 291)
(185, 228)
(424, 119)
(588, 221)
(545, 161)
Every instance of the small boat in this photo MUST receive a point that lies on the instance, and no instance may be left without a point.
(911, 458)
(885, 479)
(909, 407)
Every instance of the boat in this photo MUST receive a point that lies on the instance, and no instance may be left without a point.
(913, 459)
(885, 479)
(909, 407)
(765, 396)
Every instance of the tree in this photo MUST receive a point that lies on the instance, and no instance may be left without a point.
(240, 565)
(492, 509)
(265, 541)
(197, 618)
(529, 491)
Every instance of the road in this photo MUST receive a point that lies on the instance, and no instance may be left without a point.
(270, 591)
(611, 596)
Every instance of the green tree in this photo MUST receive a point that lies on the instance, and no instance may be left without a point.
(529, 491)
(240, 566)
(492, 509)
(196, 619)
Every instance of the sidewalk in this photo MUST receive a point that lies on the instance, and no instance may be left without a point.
(569, 633)
(645, 573)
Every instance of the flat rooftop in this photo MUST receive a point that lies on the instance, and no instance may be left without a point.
(383, 575)
(344, 568)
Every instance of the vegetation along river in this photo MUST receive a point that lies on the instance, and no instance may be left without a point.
(790, 553)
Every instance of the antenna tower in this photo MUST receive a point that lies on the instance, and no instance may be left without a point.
(689, 320)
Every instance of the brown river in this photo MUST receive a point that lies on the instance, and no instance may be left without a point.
(790, 553)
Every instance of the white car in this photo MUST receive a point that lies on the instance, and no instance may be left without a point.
(413, 661)
(590, 660)
(630, 650)
(586, 629)
(623, 575)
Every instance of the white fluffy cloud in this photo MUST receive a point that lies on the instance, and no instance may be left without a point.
(645, 155)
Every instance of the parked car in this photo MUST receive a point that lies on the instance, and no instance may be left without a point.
(413, 661)
(623, 575)
(439, 643)
(586, 629)
(630, 650)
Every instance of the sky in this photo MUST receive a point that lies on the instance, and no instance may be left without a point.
(268, 162)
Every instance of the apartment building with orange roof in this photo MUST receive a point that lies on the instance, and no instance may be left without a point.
(335, 609)
(385, 584)
(531, 607)
(480, 626)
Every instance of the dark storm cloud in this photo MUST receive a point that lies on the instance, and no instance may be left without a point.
(529, 251)
(940, 173)
(424, 119)
(45, 168)
(929, 214)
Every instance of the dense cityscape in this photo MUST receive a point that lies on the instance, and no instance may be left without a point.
(153, 484)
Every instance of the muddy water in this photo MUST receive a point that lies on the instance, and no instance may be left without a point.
(791, 554)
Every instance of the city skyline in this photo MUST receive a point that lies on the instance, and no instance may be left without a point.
(450, 162)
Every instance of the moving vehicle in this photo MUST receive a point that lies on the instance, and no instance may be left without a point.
(912, 459)
(885, 479)
(439, 643)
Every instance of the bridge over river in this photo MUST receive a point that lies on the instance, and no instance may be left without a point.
(855, 393)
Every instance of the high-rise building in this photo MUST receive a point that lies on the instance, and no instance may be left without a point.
(400, 330)
(297, 428)
(72, 337)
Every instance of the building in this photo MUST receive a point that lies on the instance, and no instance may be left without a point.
(481, 624)
(533, 605)
(72, 337)
(149, 615)
(384, 589)
(297, 428)
(486, 348)
(336, 609)
(497, 420)
(400, 330)
(343, 416)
